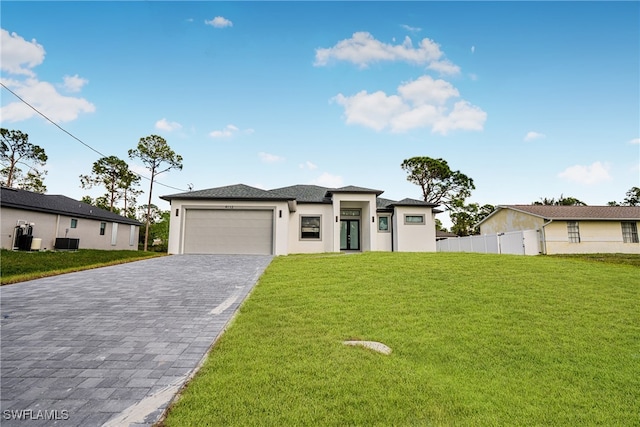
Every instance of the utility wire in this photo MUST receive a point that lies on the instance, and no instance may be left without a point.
(78, 139)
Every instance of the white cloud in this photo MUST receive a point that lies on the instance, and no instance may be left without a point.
(270, 158)
(74, 83)
(592, 174)
(530, 136)
(18, 56)
(371, 110)
(44, 97)
(219, 22)
(444, 67)
(363, 49)
(464, 116)
(227, 132)
(411, 29)
(308, 165)
(635, 141)
(329, 180)
(424, 102)
(473, 49)
(165, 125)
(426, 90)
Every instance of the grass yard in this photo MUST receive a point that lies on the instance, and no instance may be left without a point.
(18, 266)
(477, 340)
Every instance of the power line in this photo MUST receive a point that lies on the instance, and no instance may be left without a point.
(78, 139)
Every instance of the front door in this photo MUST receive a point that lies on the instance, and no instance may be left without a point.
(350, 235)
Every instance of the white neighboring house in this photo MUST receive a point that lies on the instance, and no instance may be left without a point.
(571, 229)
(240, 219)
(59, 222)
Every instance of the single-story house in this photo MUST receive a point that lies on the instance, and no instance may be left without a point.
(240, 219)
(571, 229)
(59, 222)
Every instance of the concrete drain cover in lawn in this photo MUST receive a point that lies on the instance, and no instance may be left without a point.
(373, 345)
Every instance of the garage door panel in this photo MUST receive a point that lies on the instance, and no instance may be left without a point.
(217, 231)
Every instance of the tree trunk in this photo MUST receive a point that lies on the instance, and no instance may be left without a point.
(146, 233)
(12, 168)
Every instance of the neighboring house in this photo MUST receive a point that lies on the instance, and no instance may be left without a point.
(51, 217)
(298, 219)
(441, 235)
(571, 229)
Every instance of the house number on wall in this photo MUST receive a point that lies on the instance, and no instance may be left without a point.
(228, 207)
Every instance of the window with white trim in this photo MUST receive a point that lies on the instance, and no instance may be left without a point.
(573, 230)
(629, 232)
(103, 227)
(74, 223)
(310, 227)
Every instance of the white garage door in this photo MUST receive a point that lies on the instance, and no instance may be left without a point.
(232, 231)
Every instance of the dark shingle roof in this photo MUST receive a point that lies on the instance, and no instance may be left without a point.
(579, 212)
(299, 193)
(354, 189)
(304, 193)
(230, 192)
(382, 203)
(413, 202)
(57, 204)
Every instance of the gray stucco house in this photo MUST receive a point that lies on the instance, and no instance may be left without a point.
(297, 219)
(55, 218)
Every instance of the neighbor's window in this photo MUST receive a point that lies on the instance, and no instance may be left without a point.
(414, 219)
(574, 231)
(310, 227)
(103, 226)
(629, 232)
(74, 223)
(383, 224)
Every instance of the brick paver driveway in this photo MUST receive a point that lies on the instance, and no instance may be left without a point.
(113, 345)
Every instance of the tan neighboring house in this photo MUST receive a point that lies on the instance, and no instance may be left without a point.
(239, 219)
(571, 229)
(59, 222)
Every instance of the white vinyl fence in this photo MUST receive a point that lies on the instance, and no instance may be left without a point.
(525, 242)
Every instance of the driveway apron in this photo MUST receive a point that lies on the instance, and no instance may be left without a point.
(112, 346)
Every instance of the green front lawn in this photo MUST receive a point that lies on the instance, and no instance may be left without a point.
(18, 266)
(476, 339)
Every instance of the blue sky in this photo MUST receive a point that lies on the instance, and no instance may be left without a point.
(530, 99)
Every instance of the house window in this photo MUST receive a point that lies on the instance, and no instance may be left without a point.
(132, 235)
(74, 223)
(383, 224)
(350, 212)
(629, 232)
(103, 226)
(574, 231)
(414, 219)
(310, 227)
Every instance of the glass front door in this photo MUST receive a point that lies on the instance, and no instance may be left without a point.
(350, 235)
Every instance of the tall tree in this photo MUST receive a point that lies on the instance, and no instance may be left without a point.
(115, 176)
(466, 217)
(158, 157)
(632, 198)
(17, 150)
(440, 185)
(561, 201)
